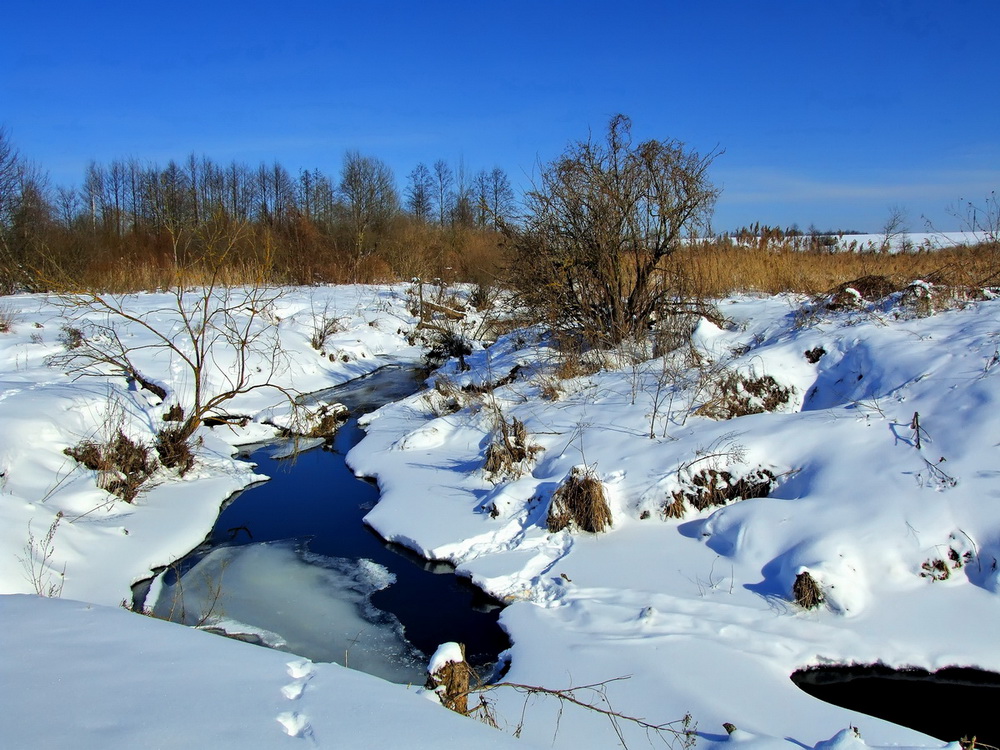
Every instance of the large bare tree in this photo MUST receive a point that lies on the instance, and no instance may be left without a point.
(599, 225)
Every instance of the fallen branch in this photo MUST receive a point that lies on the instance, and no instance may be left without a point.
(680, 729)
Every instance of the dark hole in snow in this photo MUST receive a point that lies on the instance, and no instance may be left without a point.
(948, 704)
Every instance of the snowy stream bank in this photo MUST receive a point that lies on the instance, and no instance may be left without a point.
(695, 611)
(291, 564)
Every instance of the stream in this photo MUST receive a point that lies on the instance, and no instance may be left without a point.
(948, 704)
(291, 565)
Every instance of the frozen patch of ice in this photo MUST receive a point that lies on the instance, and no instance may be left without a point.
(320, 607)
(378, 576)
(290, 448)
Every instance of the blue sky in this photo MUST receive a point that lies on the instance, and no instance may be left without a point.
(830, 112)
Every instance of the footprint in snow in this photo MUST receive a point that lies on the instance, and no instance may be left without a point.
(301, 672)
(300, 668)
(293, 690)
(295, 724)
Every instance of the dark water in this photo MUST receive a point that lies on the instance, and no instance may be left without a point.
(316, 499)
(948, 704)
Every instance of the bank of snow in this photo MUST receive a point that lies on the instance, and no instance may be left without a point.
(695, 611)
(698, 611)
(84, 676)
(104, 545)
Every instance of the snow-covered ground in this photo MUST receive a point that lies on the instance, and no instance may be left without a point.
(695, 611)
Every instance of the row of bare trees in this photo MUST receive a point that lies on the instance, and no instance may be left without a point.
(132, 216)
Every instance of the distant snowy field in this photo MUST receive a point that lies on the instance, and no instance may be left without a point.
(909, 241)
(696, 611)
(903, 241)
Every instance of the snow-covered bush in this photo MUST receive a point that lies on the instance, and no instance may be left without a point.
(710, 487)
(733, 394)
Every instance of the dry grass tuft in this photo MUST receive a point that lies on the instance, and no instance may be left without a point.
(445, 398)
(814, 355)
(806, 591)
(323, 328)
(320, 422)
(174, 449)
(510, 448)
(580, 502)
(122, 465)
(869, 288)
(174, 414)
(452, 682)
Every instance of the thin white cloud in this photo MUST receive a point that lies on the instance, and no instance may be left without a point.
(765, 186)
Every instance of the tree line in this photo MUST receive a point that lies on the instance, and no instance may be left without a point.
(131, 219)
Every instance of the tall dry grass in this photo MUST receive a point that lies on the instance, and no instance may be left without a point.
(719, 268)
(411, 248)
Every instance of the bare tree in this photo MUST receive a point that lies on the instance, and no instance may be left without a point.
(444, 180)
(599, 223)
(463, 208)
(223, 339)
(894, 228)
(369, 194)
(420, 192)
(26, 218)
(10, 170)
(494, 197)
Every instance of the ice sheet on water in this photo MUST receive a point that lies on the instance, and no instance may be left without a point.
(319, 606)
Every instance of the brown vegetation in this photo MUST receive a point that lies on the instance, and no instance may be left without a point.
(509, 449)
(122, 465)
(732, 395)
(806, 591)
(711, 487)
(604, 217)
(131, 224)
(723, 267)
(579, 502)
(174, 449)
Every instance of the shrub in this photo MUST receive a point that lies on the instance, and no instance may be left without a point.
(450, 343)
(599, 224)
(122, 465)
(323, 329)
(579, 501)
(71, 338)
(7, 318)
